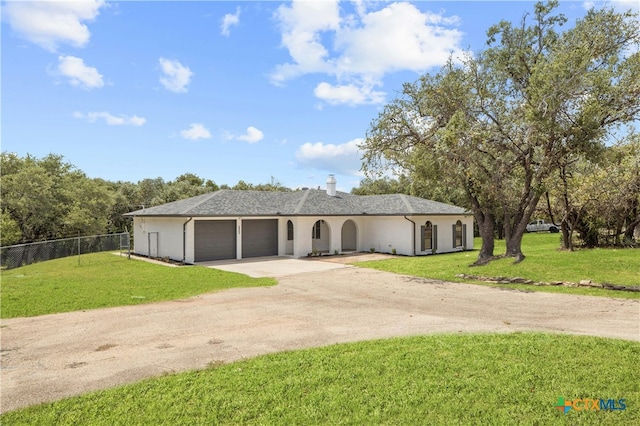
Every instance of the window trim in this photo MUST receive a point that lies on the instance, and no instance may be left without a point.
(427, 242)
(458, 239)
(290, 233)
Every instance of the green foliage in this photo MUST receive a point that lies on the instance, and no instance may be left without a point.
(90, 200)
(273, 185)
(385, 185)
(34, 194)
(445, 379)
(48, 198)
(9, 230)
(599, 200)
(544, 263)
(498, 125)
(103, 280)
(415, 187)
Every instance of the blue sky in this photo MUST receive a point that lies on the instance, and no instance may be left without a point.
(226, 90)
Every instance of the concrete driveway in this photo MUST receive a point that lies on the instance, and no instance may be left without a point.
(55, 356)
(274, 267)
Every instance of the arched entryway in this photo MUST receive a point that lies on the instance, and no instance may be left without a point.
(349, 236)
(320, 237)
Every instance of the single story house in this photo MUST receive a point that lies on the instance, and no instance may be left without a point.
(228, 224)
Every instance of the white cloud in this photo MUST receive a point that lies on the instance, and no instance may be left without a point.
(398, 37)
(78, 73)
(619, 5)
(229, 20)
(350, 94)
(301, 25)
(51, 23)
(252, 135)
(176, 76)
(344, 158)
(110, 119)
(195, 132)
(359, 49)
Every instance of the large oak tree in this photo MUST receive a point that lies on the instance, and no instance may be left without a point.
(499, 123)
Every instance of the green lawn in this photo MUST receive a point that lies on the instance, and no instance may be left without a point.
(544, 262)
(442, 379)
(102, 280)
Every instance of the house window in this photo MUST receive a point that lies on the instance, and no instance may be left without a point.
(289, 230)
(457, 234)
(428, 236)
(315, 232)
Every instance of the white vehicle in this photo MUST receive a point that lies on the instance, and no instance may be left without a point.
(540, 225)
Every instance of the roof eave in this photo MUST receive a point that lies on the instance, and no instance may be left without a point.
(134, 214)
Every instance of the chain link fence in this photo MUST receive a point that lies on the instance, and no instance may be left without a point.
(26, 254)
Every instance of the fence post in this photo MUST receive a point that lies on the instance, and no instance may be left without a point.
(78, 248)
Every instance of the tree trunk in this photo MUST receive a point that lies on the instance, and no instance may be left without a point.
(500, 227)
(514, 247)
(629, 231)
(486, 224)
(515, 225)
(566, 235)
(546, 194)
(564, 225)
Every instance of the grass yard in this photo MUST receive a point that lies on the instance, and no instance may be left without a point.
(102, 280)
(544, 262)
(442, 379)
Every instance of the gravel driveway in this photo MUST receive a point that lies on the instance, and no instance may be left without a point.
(55, 356)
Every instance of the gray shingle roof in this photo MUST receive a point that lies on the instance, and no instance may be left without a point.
(309, 202)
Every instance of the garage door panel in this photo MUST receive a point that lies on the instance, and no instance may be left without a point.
(215, 240)
(259, 237)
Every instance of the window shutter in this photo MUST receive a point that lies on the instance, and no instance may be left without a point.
(422, 238)
(464, 236)
(435, 237)
(453, 234)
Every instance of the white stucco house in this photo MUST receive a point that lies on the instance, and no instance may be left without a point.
(228, 224)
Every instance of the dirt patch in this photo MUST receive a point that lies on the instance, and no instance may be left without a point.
(55, 356)
(105, 347)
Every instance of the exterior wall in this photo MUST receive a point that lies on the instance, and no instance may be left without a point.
(302, 242)
(382, 233)
(445, 237)
(169, 236)
(468, 220)
(386, 233)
